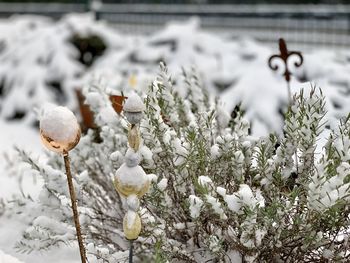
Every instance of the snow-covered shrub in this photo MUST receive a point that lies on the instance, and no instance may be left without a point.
(42, 60)
(218, 194)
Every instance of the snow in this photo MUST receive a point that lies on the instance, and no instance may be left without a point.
(134, 103)
(146, 155)
(162, 184)
(11, 228)
(133, 203)
(215, 151)
(132, 158)
(239, 65)
(132, 176)
(131, 217)
(233, 203)
(195, 206)
(222, 117)
(60, 125)
(204, 181)
(4, 258)
(246, 194)
(215, 204)
(328, 254)
(19, 135)
(221, 191)
(117, 156)
(233, 69)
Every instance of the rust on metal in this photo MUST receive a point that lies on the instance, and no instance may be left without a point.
(284, 55)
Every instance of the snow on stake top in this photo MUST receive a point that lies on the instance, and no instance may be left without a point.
(59, 129)
(134, 104)
(133, 108)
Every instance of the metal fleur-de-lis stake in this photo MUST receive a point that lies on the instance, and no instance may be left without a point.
(284, 55)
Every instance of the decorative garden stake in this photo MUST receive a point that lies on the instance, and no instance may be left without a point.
(284, 55)
(130, 180)
(60, 132)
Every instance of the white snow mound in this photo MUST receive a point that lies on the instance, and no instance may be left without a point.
(4, 258)
(59, 124)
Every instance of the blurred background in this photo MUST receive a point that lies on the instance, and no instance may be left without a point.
(306, 22)
(51, 51)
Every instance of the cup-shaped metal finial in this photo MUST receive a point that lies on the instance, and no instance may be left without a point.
(59, 130)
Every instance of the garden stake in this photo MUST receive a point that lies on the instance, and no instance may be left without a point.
(284, 55)
(74, 207)
(131, 251)
(130, 180)
(60, 133)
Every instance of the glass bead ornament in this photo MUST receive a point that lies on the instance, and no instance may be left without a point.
(133, 109)
(131, 181)
(131, 225)
(134, 137)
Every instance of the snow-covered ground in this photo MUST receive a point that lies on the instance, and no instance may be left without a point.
(21, 135)
(15, 134)
(36, 52)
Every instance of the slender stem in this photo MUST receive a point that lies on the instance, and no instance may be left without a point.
(74, 207)
(131, 251)
(296, 161)
(290, 101)
(289, 94)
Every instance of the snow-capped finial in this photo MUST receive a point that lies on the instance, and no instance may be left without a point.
(59, 129)
(133, 108)
(134, 103)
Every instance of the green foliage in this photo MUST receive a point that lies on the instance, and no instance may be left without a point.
(220, 195)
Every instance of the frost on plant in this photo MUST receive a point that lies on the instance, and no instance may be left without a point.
(220, 195)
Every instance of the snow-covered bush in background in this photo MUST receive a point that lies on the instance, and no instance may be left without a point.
(218, 194)
(43, 60)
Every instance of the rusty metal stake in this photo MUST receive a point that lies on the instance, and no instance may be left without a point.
(74, 207)
(284, 55)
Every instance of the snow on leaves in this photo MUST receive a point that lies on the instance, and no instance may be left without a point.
(220, 193)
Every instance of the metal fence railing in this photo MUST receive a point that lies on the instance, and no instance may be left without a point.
(321, 25)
